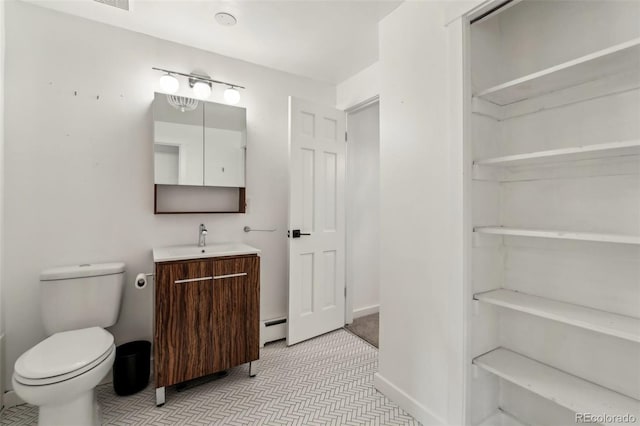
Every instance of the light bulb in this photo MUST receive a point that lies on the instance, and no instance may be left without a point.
(201, 89)
(231, 96)
(169, 83)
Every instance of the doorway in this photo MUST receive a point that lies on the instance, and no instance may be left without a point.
(363, 221)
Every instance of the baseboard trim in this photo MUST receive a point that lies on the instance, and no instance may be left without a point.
(367, 310)
(11, 399)
(406, 402)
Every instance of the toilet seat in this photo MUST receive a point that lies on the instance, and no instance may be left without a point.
(63, 377)
(63, 356)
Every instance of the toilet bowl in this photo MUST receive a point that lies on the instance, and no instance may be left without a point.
(60, 374)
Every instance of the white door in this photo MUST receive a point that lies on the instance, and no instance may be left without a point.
(317, 154)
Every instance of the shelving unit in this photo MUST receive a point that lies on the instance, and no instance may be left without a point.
(603, 322)
(564, 389)
(558, 235)
(588, 152)
(567, 105)
(612, 60)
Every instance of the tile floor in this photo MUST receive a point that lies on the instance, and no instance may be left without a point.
(324, 381)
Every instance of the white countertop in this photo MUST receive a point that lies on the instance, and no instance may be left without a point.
(166, 254)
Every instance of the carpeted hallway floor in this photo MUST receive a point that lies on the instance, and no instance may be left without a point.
(366, 328)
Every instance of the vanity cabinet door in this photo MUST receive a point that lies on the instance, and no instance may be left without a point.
(236, 310)
(184, 343)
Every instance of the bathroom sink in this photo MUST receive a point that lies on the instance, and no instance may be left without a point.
(166, 254)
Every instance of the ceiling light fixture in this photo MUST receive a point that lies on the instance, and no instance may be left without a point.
(169, 83)
(200, 84)
(231, 95)
(226, 19)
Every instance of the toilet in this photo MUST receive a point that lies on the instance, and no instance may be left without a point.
(60, 374)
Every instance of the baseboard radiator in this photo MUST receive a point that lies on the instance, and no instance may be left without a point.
(272, 330)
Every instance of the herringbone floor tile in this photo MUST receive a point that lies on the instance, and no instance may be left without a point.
(324, 381)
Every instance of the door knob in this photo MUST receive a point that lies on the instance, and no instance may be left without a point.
(296, 233)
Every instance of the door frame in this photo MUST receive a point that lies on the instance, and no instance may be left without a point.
(348, 303)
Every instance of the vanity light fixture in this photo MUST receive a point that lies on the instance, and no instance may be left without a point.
(201, 89)
(201, 85)
(169, 83)
(231, 95)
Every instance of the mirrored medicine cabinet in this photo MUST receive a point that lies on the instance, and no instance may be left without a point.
(199, 144)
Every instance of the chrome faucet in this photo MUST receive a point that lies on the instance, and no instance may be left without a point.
(202, 236)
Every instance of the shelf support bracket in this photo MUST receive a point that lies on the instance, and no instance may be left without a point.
(476, 307)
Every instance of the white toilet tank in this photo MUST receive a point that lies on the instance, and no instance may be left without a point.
(81, 296)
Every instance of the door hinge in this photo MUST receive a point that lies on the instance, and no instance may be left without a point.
(346, 136)
(345, 292)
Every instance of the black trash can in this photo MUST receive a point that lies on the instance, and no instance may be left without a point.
(132, 367)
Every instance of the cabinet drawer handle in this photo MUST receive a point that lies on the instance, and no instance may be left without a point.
(193, 280)
(220, 277)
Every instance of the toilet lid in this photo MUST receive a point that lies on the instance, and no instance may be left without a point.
(64, 352)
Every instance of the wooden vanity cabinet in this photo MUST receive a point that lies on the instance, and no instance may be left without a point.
(184, 338)
(236, 312)
(207, 314)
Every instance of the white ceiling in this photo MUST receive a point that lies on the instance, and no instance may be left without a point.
(324, 40)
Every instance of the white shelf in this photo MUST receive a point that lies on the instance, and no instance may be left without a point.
(587, 152)
(603, 322)
(564, 389)
(612, 60)
(501, 418)
(562, 235)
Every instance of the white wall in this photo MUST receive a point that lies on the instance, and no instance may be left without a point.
(421, 333)
(363, 210)
(359, 88)
(79, 175)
